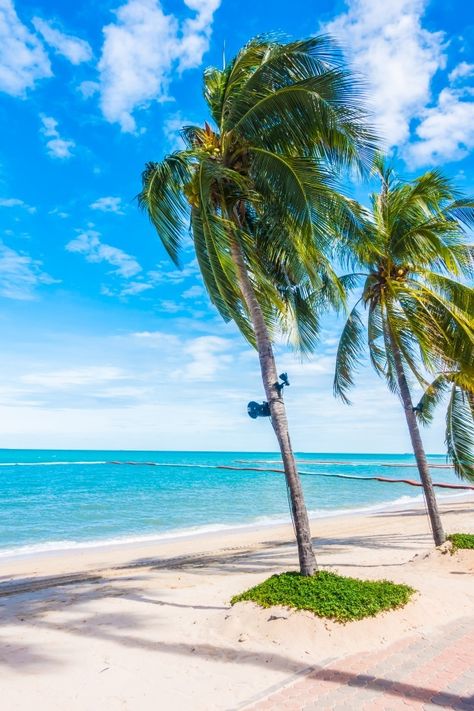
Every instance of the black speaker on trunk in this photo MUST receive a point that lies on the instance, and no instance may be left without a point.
(258, 409)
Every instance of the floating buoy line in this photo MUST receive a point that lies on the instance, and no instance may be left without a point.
(383, 479)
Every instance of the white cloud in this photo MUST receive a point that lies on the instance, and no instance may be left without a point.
(89, 244)
(11, 202)
(208, 356)
(76, 50)
(126, 400)
(157, 339)
(95, 251)
(74, 377)
(108, 204)
(196, 32)
(172, 126)
(16, 202)
(194, 292)
(88, 88)
(462, 70)
(23, 60)
(200, 358)
(166, 272)
(386, 43)
(140, 50)
(59, 213)
(446, 131)
(169, 307)
(20, 275)
(57, 147)
(135, 287)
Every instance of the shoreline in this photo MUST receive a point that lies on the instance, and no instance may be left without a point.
(33, 550)
(105, 554)
(123, 522)
(131, 619)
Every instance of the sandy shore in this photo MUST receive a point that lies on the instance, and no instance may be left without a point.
(149, 626)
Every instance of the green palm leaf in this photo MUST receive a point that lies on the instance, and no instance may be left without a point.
(460, 433)
(349, 352)
(162, 197)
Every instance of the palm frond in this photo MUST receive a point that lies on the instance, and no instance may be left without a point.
(300, 320)
(163, 199)
(215, 83)
(349, 351)
(460, 434)
(375, 334)
(390, 373)
(461, 211)
(431, 398)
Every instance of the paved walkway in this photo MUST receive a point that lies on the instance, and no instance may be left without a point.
(428, 672)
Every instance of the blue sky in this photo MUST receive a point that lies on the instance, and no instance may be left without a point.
(104, 343)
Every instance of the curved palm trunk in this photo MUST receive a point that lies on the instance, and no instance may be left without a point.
(278, 415)
(439, 535)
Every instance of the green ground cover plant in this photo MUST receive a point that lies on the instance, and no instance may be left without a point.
(462, 540)
(328, 595)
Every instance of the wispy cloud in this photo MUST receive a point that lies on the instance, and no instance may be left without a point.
(135, 287)
(108, 204)
(140, 50)
(194, 292)
(129, 387)
(157, 339)
(133, 279)
(172, 126)
(16, 202)
(88, 243)
(74, 377)
(23, 60)
(153, 278)
(169, 306)
(166, 273)
(208, 355)
(461, 71)
(20, 274)
(200, 358)
(59, 213)
(88, 88)
(74, 49)
(57, 146)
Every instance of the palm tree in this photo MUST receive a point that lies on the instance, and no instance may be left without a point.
(456, 376)
(256, 185)
(410, 249)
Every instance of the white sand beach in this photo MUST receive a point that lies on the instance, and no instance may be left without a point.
(142, 627)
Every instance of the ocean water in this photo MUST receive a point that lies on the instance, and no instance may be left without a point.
(53, 500)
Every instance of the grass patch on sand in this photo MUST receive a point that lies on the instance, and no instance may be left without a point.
(461, 540)
(329, 595)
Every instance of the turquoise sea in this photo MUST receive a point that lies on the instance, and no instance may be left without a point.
(51, 499)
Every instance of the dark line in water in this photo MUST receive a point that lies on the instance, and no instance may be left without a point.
(350, 464)
(410, 482)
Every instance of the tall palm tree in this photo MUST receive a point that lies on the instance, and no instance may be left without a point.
(410, 250)
(256, 185)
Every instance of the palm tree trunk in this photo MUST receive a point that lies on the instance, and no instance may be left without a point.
(439, 535)
(279, 420)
